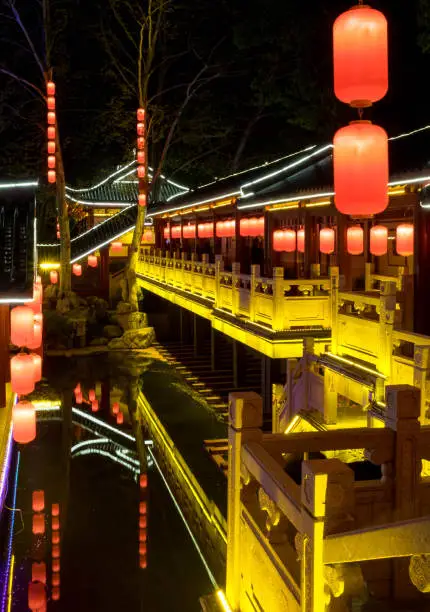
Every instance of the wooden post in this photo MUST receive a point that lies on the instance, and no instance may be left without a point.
(278, 299)
(245, 421)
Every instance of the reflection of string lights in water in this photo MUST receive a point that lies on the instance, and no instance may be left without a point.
(5, 469)
(103, 453)
(143, 514)
(8, 573)
(55, 527)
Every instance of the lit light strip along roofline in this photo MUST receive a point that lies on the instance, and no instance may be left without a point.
(99, 204)
(299, 197)
(84, 443)
(100, 246)
(82, 189)
(19, 185)
(194, 204)
(285, 168)
(120, 180)
(121, 212)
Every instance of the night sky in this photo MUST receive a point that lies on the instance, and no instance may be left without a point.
(269, 88)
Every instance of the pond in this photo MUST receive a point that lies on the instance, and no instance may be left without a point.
(107, 533)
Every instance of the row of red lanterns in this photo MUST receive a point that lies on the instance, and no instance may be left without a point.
(143, 522)
(378, 240)
(360, 150)
(252, 227)
(52, 121)
(55, 528)
(141, 155)
(288, 240)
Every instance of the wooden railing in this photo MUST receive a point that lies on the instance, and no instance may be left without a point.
(305, 519)
(275, 303)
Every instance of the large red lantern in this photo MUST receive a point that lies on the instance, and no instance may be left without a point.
(37, 362)
(301, 240)
(36, 596)
(230, 228)
(38, 501)
(77, 269)
(355, 240)
(53, 277)
(189, 231)
(360, 163)
(289, 241)
(327, 240)
(24, 422)
(55, 511)
(37, 332)
(21, 325)
(405, 239)
(92, 261)
(360, 50)
(278, 240)
(176, 231)
(244, 227)
(22, 374)
(378, 244)
(220, 229)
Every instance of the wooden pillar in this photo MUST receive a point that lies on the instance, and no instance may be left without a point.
(4, 351)
(311, 255)
(245, 420)
(422, 270)
(104, 272)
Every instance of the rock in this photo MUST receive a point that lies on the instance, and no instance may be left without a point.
(112, 331)
(123, 308)
(99, 342)
(133, 320)
(134, 339)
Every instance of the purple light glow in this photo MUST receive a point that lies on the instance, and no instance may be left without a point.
(5, 468)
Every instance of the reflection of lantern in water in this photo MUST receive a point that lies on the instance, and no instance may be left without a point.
(37, 361)
(142, 508)
(24, 422)
(142, 562)
(56, 551)
(115, 408)
(55, 579)
(55, 523)
(143, 481)
(142, 535)
(78, 398)
(36, 596)
(38, 572)
(56, 565)
(22, 374)
(21, 325)
(94, 405)
(142, 521)
(55, 593)
(55, 510)
(39, 523)
(120, 418)
(38, 501)
(91, 395)
(55, 537)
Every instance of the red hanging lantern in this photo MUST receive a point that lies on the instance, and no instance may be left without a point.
(51, 103)
(378, 244)
(51, 133)
(142, 548)
(301, 240)
(94, 406)
(142, 199)
(93, 261)
(56, 565)
(55, 594)
(55, 510)
(120, 418)
(355, 240)
(37, 362)
(36, 596)
(55, 537)
(116, 246)
(405, 239)
(230, 228)
(289, 241)
(115, 408)
(38, 501)
(360, 51)
(360, 162)
(52, 177)
(166, 232)
(143, 481)
(56, 551)
(142, 562)
(141, 129)
(39, 524)
(38, 572)
(143, 536)
(141, 114)
(142, 521)
(51, 118)
(176, 231)
(53, 277)
(220, 229)
(141, 157)
(141, 172)
(327, 240)
(22, 374)
(55, 523)
(51, 161)
(244, 227)
(24, 422)
(142, 508)
(77, 269)
(50, 88)
(37, 333)
(253, 227)
(21, 325)
(51, 147)
(140, 143)
(278, 241)
(55, 579)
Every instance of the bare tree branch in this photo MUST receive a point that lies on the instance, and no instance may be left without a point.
(23, 81)
(23, 29)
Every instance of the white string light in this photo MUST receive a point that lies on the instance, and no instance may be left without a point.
(81, 190)
(19, 185)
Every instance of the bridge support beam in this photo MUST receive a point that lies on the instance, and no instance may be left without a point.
(239, 364)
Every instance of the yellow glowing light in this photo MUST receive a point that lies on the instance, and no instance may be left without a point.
(356, 365)
(222, 203)
(316, 204)
(292, 424)
(397, 192)
(223, 601)
(10, 584)
(50, 266)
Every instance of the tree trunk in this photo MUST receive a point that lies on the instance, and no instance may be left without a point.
(63, 219)
(133, 259)
(244, 140)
